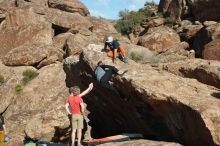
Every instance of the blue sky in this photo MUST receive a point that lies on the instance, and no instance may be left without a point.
(110, 8)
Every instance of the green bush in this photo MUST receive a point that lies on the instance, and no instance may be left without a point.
(29, 75)
(18, 88)
(2, 80)
(152, 3)
(160, 15)
(129, 20)
(136, 57)
(169, 22)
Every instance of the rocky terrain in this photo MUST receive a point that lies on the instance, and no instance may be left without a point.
(170, 94)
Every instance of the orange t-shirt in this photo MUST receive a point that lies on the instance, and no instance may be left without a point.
(74, 102)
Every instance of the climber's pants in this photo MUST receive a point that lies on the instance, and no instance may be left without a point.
(120, 50)
(2, 138)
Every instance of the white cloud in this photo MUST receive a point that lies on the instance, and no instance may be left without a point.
(143, 1)
(97, 13)
(132, 7)
(138, 1)
(102, 2)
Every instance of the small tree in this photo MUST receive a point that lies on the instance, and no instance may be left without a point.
(123, 14)
(152, 3)
(169, 22)
(129, 20)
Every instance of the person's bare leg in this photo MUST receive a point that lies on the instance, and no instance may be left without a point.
(73, 137)
(79, 135)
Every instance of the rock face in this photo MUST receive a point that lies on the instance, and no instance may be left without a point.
(201, 10)
(23, 17)
(66, 21)
(206, 10)
(6, 6)
(103, 28)
(140, 54)
(76, 43)
(69, 6)
(177, 107)
(153, 22)
(12, 76)
(18, 31)
(40, 34)
(175, 53)
(189, 32)
(159, 39)
(204, 36)
(33, 55)
(176, 9)
(207, 72)
(38, 111)
(212, 50)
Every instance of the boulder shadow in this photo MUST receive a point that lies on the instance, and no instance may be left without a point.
(216, 95)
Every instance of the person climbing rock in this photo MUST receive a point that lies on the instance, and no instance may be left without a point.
(103, 74)
(75, 107)
(2, 131)
(113, 47)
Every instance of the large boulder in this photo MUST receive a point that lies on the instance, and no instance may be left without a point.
(103, 28)
(209, 23)
(212, 50)
(189, 32)
(139, 54)
(33, 55)
(39, 6)
(205, 9)
(204, 36)
(69, 6)
(164, 106)
(77, 42)
(73, 44)
(6, 6)
(176, 9)
(153, 22)
(207, 72)
(24, 26)
(159, 39)
(12, 77)
(201, 10)
(174, 53)
(67, 21)
(38, 111)
(22, 17)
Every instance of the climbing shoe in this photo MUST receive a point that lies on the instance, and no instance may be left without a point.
(125, 60)
(121, 73)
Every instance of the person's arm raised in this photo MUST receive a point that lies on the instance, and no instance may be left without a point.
(87, 90)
